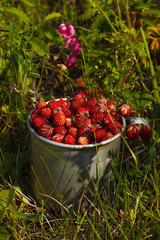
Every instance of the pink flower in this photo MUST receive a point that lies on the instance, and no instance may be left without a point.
(66, 30)
(71, 59)
(72, 44)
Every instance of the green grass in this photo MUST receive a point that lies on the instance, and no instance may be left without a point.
(117, 60)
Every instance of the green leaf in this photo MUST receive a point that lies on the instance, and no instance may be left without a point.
(21, 15)
(29, 3)
(154, 12)
(50, 33)
(39, 46)
(6, 197)
(140, 98)
(18, 215)
(51, 16)
(5, 108)
(4, 235)
(2, 213)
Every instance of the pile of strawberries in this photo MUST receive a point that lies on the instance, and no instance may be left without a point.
(81, 120)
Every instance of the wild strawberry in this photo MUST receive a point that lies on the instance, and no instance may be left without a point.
(45, 131)
(74, 106)
(35, 111)
(82, 140)
(66, 111)
(91, 106)
(80, 92)
(56, 110)
(79, 99)
(58, 138)
(108, 135)
(68, 123)
(133, 132)
(92, 99)
(111, 106)
(107, 118)
(116, 114)
(69, 139)
(45, 112)
(41, 104)
(34, 114)
(37, 122)
(73, 131)
(83, 111)
(102, 104)
(79, 121)
(49, 137)
(53, 104)
(68, 103)
(60, 130)
(146, 132)
(84, 131)
(100, 135)
(62, 102)
(114, 127)
(88, 121)
(94, 127)
(97, 116)
(125, 110)
(59, 118)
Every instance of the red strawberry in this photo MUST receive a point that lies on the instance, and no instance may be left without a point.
(53, 104)
(88, 121)
(73, 131)
(116, 114)
(41, 104)
(66, 111)
(79, 121)
(81, 92)
(100, 135)
(91, 106)
(74, 106)
(59, 118)
(37, 122)
(133, 132)
(83, 111)
(107, 118)
(34, 114)
(102, 104)
(146, 132)
(108, 135)
(56, 110)
(97, 116)
(92, 99)
(49, 137)
(45, 112)
(68, 103)
(84, 131)
(114, 127)
(111, 106)
(79, 99)
(94, 127)
(69, 139)
(60, 130)
(35, 111)
(68, 123)
(45, 131)
(82, 140)
(125, 110)
(62, 102)
(58, 138)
